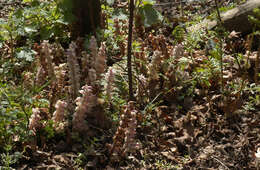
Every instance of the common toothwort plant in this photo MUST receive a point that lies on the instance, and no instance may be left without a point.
(59, 115)
(96, 62)
(35, 120)
(46, 68)
(155, 65)
(100, 64)
(110, 75)
(85, 105)
(74, 72)
(124, 139)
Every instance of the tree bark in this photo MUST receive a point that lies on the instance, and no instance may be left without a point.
(87, 17)
(129, 50)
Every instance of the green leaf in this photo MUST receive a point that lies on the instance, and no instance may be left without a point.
(28, 55)
(30, 30)
(110, 2)
(26, 1)
(150, 16)
(256, 12)
(66, 7)
(46, 33)
(148, 2)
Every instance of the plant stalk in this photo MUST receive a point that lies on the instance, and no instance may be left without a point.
(129, 50)
(218, 13)
(220, 48)
(256, 76)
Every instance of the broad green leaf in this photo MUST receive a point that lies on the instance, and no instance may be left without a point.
(149, 15)
(257, 12)
(46, 33)
(148, 2)
(25, 1)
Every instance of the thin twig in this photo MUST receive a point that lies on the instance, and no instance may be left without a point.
(218, 13)
(220, 48)
(220, 162)
(256, 66)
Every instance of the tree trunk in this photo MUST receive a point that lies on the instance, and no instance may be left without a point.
(234, 19)
(87, 17)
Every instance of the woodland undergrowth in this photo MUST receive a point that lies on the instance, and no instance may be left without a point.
(59, 95)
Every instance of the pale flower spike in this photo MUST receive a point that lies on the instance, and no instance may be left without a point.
(34, 122)
(110, 75)
(59, 114)
(74, 75)
(84, 107)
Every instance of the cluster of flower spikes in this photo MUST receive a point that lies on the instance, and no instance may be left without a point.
(141, 91)
(39, 114)
(96, 63)
(161, 53)
(159, 43)
(45, 68)
(120, 27)
(161, 62)
(172, 72)
(36, 120)
(58, 86)
(27, 79)
(124, 139)
(84, 107)
(60, 74)
(74, 70)
(142, 58)
(110, 75)
(47, 71)
(154, 66)
(59, 115)
(100, 64)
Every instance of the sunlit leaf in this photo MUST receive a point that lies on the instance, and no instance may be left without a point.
(150, 16)
(26, 54)
(148, 2)
(110, 2)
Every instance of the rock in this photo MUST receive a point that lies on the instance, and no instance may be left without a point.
(234, 19)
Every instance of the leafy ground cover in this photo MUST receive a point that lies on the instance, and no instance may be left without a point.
(64, 104)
